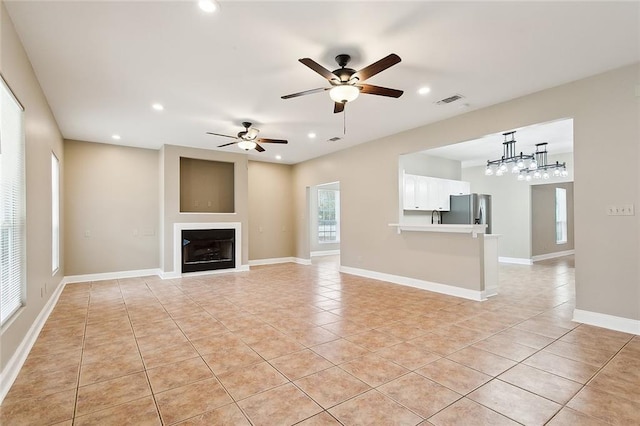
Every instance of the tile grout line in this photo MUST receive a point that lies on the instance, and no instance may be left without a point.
(84, 335)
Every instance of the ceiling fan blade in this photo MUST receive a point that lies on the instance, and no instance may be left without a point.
(259, 148)
(338, 107)
(225, 136)
(319, 69)
(266, 140)
(306, 92)
(227, 144)
(376, 67)
(382, 91)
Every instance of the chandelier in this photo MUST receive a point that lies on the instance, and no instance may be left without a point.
(510, 159)
(526, 166)
(543, 170)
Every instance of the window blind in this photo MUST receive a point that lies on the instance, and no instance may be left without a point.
(12, 205)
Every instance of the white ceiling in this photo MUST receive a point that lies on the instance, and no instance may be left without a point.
(102, 64)
(558, 134)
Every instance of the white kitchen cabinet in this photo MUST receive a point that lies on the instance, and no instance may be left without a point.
(437, 196)
(459, 187)
(416, 192)
(426, 193)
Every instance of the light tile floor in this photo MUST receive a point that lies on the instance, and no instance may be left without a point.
(289, 344)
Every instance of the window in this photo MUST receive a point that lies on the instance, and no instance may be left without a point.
(561, 216)
(12, 205)
(328, 216)
(55, 213)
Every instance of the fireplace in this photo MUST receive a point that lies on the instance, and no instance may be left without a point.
(208, 249)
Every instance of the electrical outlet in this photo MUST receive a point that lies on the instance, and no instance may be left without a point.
(611, 211)
(87, 234)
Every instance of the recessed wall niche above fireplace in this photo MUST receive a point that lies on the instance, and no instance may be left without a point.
(207, 247)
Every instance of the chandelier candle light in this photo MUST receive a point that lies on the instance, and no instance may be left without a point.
(527, 166)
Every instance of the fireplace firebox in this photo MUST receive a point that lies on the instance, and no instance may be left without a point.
(208, 249)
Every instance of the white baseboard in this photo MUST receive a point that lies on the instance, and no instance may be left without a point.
(111, 275)
(626, 325)
(301, 261)
(173, 274)
(324, 253)
(272, 261)
(515, 260)
(145, 273)
(412, 282)
(10, 372)
(552, 255)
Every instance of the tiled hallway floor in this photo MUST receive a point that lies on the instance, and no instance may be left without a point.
(285, 344)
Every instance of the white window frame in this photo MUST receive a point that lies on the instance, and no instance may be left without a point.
(320, 232)
(561, 216)
(55, 213)
(12, 205)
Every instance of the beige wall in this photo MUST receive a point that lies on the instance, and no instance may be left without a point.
(427, 165)
(111, 208)
(604, 108)
(271, 230)
(169, 160)
(42, 137)
(369, 202)
(206, 186)
(543, 219)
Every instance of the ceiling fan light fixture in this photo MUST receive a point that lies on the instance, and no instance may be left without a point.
(208, 6)
(344, 93)
(252, 133)
(246, 145)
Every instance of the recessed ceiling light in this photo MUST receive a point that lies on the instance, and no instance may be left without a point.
(157, 107)
(424, 90)
(311, 135)
(208, 6)
(116, 137)
(278, 157)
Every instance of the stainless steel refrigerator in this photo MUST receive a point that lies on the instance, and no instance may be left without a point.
(469, 209)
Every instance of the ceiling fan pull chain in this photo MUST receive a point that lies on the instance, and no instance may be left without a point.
(344, 122)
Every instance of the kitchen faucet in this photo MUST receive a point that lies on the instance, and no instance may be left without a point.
(438, 219)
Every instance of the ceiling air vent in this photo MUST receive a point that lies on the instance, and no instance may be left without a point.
(334, 139)
(449, 100)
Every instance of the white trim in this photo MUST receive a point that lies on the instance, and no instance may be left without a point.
(412, 282)
(626, 325)
(110, 275)
(552, 255)
(474, 230)
(324, 253)
(10, 372)
(242, 268)
(272, 261)
(301, 261)
(177, 243)
(515, 260)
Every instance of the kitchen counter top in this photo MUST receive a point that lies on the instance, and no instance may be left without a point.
(474, 230)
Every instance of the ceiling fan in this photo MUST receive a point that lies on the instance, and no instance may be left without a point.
(346, 83)
(248, 138)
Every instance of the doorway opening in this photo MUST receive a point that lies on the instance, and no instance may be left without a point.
(324, 219)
